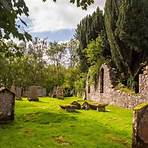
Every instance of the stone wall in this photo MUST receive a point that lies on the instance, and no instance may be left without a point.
(41, 92)
(19, 92)
(105, 91)
(143, 82)
(140, 127)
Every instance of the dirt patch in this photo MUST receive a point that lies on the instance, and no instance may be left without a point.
(61, 140)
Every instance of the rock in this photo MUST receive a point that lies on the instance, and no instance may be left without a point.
(85, 106)
(69, 108)
(76, 104)
(98, 107)
(18, 99)
(33, 99)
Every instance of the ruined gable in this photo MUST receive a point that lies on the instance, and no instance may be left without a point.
(107, 93)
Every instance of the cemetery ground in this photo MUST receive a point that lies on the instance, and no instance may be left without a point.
(44, 124)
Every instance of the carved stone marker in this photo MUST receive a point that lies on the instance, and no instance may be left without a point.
(58, 92)
(7, 101)
(140, 127)
(33, 95)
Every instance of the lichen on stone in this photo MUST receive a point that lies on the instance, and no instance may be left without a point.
(140, 106)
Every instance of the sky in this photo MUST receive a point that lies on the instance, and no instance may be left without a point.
(56, 21)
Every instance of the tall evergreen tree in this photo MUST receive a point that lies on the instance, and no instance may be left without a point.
(126, 25)
(88, 30)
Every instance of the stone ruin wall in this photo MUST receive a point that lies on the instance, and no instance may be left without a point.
(113, 96)
(41, 92)
(143, 82)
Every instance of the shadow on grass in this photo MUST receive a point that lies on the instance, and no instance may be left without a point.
(46, 117)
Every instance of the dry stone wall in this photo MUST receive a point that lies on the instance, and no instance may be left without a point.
(107, 93)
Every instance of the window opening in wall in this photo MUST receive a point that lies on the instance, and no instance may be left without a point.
(102, 81)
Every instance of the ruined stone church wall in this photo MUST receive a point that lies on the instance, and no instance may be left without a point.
(113, 96)
(143, 82)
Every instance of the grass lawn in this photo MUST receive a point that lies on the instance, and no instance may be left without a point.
(44, 125)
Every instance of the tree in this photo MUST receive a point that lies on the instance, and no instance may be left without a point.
(89, 29)
(10, 13)
(72, 47)
(126, 26)
(81, 3)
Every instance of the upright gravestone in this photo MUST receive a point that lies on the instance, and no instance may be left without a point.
(140, 126)
(33, 94)
(7, 101)
(58, 92)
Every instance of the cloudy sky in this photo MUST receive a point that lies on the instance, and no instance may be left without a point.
(56, 21)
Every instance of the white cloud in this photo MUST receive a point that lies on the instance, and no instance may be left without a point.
(50, 16)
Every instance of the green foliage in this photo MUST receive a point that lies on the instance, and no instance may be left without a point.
(80, 3)
(125, 89)
(52, 78)
(126, 26)
(80, 85)
(88, 29)
(93, 73)
(94, 51)
(10, 13)
(97, 53)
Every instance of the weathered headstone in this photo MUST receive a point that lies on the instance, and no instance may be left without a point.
(58, 92)
(140, 126)
(7, 101)
(33, 94)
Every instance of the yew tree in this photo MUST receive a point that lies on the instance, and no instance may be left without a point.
(126, 26)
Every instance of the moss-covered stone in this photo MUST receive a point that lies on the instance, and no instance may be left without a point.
(140, 106)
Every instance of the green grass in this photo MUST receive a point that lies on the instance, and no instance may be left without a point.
(44, 125)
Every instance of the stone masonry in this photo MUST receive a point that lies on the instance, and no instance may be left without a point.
(7, 101)
(105, 92)
(140, 127)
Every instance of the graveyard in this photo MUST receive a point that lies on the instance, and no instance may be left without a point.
(44, 124)
(74, 74)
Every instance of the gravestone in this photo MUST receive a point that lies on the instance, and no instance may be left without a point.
(140, 127)
(33, 94)
(7, 101)
(58, 92)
